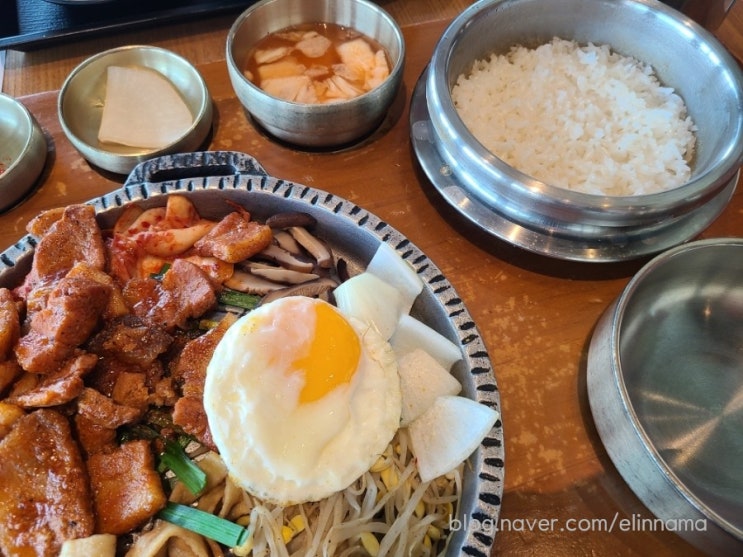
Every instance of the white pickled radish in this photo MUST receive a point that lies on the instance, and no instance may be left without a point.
(412, 334)
(371, 300)
(448, 433)
(422, 381)
(393, 269)
(142, 108)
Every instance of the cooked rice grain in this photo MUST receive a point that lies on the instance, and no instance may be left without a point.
(580, 117)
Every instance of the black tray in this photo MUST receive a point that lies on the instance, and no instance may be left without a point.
(28, 24)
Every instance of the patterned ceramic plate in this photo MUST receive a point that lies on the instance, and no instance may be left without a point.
(354, 234)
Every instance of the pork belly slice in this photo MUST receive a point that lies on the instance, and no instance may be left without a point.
(10, 324)
(234, 238)
(116, 306)
(92, 437)
(57, 388)
(45, 498)
(9, 371)
(130, 389)
(126, 488)
(189, 371)
(72, 312)
(185, 292)
(9, 415)
(72, 238)
(191, 291)
(98, 415)
(131, 341)
(189, 368)
(109, 368)
(73, 309)
(190, 416)
(103, 411)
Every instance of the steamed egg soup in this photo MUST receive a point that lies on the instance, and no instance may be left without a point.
(301, 400)
(317, 63)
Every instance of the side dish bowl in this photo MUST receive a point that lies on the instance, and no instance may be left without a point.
(23, 151)
(81, 100)
(555, 221)
(666, 389)
(315, 125)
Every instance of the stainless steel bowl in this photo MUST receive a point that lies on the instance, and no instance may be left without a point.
(314, 125)
(665, 384)
(81, 99)
(554, 221)
(23, 151)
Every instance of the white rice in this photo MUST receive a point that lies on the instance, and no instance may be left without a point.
(580, 117)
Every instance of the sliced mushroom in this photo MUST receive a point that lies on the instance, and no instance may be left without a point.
(289, 260)
(286, 276)
(312, 289)
(252, 284)
(341, 268)
(249, 265)
(316, 247)
(287, 241)
(291, 218)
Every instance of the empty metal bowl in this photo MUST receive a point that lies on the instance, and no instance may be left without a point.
(315, 125)
(665, 384)
(81, 99)
(23, 151)
(554, 221)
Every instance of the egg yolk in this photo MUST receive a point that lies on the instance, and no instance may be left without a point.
(333, 355)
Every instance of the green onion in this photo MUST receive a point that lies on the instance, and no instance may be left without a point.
(239, 299)
(204, 523)
(137, 431)
(185, 469)
(160, 419)
(159, 275)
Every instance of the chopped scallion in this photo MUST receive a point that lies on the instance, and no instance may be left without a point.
(239, 299)
(211, 526)
(185, 469)
(159, 275)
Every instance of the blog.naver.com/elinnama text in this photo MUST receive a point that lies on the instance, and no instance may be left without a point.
(617, 523)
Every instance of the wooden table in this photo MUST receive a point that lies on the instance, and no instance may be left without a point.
(536, 314)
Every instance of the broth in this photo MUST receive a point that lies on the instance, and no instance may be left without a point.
(317, 63)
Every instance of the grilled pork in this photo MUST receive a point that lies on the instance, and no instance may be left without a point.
(44, 494)
(72, 238)
(72, 311)
(126, 488)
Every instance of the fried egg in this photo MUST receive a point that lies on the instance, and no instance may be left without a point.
(301, 400)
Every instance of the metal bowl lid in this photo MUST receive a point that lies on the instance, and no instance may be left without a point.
(665, 385)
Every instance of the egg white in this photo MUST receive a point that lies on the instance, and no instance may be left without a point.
(282, 450)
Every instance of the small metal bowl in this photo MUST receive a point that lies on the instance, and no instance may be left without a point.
(315, 125)
(665, 384)
(23, 151)
(81, 99)
(558, 222)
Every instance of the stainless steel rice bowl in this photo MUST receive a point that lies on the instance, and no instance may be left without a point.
(555, 221)
(665, 385)
(315, 125)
